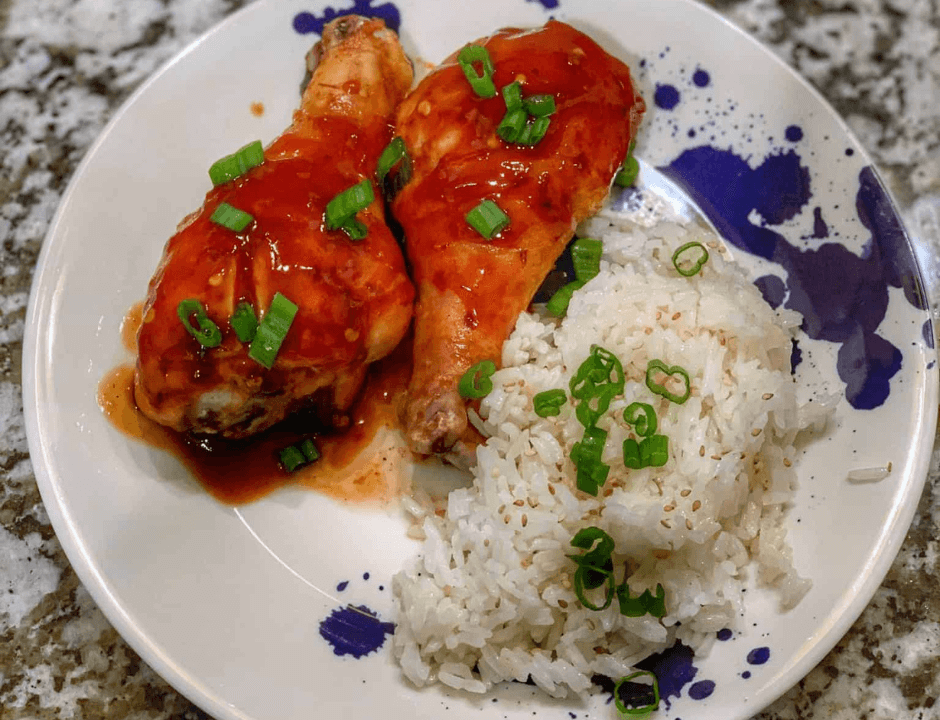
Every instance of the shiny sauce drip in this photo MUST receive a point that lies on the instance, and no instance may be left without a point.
(361, 463)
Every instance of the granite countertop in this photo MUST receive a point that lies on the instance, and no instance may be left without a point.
(65, 68)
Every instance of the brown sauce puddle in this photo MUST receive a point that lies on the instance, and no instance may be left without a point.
(363, 463)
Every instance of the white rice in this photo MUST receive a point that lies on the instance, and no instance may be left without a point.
(490, 597)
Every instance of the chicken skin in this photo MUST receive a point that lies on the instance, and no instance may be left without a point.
(354, 297)
(472, 289)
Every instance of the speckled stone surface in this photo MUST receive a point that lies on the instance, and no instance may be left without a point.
(65, 68)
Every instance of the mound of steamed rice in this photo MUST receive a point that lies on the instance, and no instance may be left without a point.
(490, 596)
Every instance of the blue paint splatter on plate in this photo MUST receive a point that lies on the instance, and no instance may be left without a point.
(702, 689)
(355, 631)
(794, 133)
(758, 656)
(305, 22)
(666, 97)
(673, 668)
(842, 296)
(342, 586)
(724, 634)
(701, 78)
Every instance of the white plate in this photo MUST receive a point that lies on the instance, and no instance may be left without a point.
(225, 603)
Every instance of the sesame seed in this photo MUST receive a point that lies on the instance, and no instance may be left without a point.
(767, 396)
(701, 451)
(424, 108)
(665, 524)
(506, 519)
(551, 489)
(525, 519)
(755, 432)
(669, 508)
(686, 493)
(688, 524)
(676, 315)
(519, 503)
(716, 457)
(696, 505)
(562, 603)
(787, 463)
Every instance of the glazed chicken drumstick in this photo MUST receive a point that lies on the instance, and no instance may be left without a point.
(471, 289)
(353, 296)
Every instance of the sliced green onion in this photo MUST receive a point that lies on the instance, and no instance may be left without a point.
(346, 204)
(512, 124)
(272, 330)
(642, 417)
(309, 449)
(548, 403)
(655, 366)
(482, 83)
(586, 258)
(583, 576)
(539, 105)
(292, 458)
(586, 455)
(512, 95)
(690, 258)
(533, 131)
(476, 382)
(391, 155)
(208, 333)
(487, 219)
(355, 229)
(558, 303)
(595, 567)
(600, 369)
(244, 322)
(590, 409)
(296, 456)
(627, 174)
(238, 163)
(394, 154)
(599, 544)
(631, 454)
(644, 711)
(654, 450)
(231, 217)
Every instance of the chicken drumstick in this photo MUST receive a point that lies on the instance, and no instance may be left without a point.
(472, 289)
(354, 297)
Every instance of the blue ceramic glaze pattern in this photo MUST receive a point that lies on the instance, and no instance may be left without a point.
(355, 631)
(673, 669)
(702, 689)
(843, 297)
(306, 22)
(758, 656)
(666, 97)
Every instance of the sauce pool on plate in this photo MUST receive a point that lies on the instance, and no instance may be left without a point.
(364, 462)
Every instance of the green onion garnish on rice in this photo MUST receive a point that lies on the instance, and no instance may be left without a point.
(643, 711)
(548, 403)
(689, 259)
(642, 417)
(659, 388)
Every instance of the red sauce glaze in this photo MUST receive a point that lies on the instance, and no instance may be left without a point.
(241, 471)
